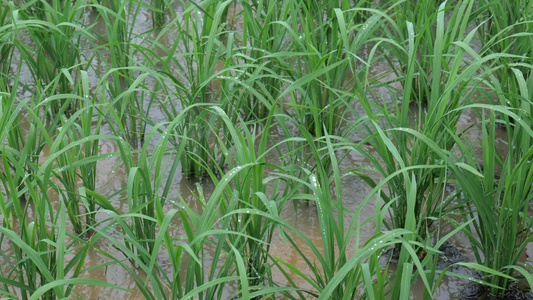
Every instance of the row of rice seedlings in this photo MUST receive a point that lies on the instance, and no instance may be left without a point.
(414, 170)
(335, 272)
(75, 150)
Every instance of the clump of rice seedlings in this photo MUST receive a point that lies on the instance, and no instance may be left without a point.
(195, 53)
(507, 27)
(328, 44)
(498, 208)
(198, 40)
(415, 162)
(20, 151)
(118, 40)
(418, 254)
(438, 123)
(37, 231)
(203, 137)
(138, 224)
(416, 67)
(59, 38)
(39, 268)
(158, 10)
(335, 271)
(90, 149)
(6, 44)
(500, 24)
(214, 226)
(416, 248)
(252, 210)
(265, 35)
(69, 177)
(78, 160)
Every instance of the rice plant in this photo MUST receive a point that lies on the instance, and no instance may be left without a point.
(35, 228)
(20, 152)
(56, 56)
(265, 35)
(506, 27)
(438, 122)
(159, 8)
(6, 44)
(498, 203)
(118, 40)
(39, 266)
(198, 31)
(329, 45)
(271, 104)
(417, 66)
(78, 163)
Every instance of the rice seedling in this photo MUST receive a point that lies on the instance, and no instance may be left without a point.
(253, 202)
(213, 226)
(118, 40)
(498, 207)
(6, 44)
(507, 27)
(39, 268)
(335, 271)
(37, 230)
(438, 122)
(198, 30)
(419, 18)
(58, 36)
(328, 43)
(202, 140)
(268, 112)
(158, 9)
(265, 34)
(20, 153)
(78, 163)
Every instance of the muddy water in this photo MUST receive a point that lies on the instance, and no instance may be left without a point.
(111, 178)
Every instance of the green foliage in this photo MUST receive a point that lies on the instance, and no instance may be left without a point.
(263, 101)
(501, 202)
(56, 57)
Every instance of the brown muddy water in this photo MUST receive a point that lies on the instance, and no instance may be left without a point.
(112, 177)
